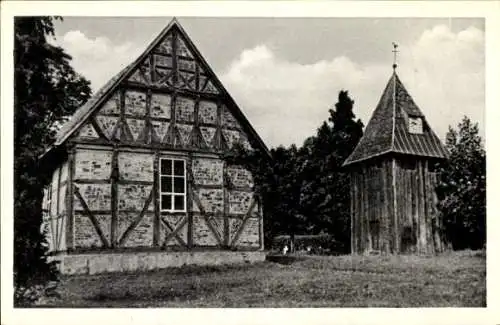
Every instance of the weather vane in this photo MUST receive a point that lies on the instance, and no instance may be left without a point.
(395, 51)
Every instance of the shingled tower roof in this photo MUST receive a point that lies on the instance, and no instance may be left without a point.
(389, 128)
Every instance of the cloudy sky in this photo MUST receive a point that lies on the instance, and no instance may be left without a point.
(285, 73)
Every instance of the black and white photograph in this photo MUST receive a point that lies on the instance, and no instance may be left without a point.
(247, 161)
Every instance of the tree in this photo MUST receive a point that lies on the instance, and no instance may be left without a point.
(462, 187)
(326, 191)
(46, 89)
(304, 190)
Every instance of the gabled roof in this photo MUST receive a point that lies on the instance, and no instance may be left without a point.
(86, 110)
(388, 131)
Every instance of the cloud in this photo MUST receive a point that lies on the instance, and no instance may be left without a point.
(98, 59)
(446, 76)
(286, 101)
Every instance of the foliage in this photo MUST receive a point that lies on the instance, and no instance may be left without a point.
(304, 190)
(326, 191)
(46, 89)
(278, 185)
(318, 244)
(462, 187)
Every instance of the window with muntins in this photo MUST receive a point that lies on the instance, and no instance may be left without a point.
(172, 185)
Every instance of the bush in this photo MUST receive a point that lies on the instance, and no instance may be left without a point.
(323, 244)
(35, 294)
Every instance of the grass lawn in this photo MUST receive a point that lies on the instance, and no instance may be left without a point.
(457, 279)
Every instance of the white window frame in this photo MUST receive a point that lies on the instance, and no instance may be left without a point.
(172, 176)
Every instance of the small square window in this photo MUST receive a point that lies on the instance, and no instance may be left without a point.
(415, 125)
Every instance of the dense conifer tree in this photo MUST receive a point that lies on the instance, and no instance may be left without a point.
(46, 90)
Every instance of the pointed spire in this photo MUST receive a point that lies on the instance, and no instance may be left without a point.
(395, 51)
(388, 128)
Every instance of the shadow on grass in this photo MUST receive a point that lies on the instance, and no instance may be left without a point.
(177, 295)
(178, 292)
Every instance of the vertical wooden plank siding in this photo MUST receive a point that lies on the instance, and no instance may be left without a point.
(402, 218)
(408, 210)
(359, 198)
(69, 200)
(414, 206)
(435, 214)
(361, 211)
(416, 178)
(369, 246)
(421, 208)
(351, 209)
(368, 214)
(354, 218)
(392, 205)
(398, 215)
(395, 206)
(379, 204)
(408, 195)
(368, 208)
(384, 210)
(364, 216)
(428, 208)
(432, 212)
(404, 201)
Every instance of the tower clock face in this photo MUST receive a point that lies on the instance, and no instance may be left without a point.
(415, 125)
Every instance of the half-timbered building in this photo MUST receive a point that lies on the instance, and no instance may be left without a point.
(393, 179)
(139, 174)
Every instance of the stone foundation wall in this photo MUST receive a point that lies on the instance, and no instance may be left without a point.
(146, 261)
